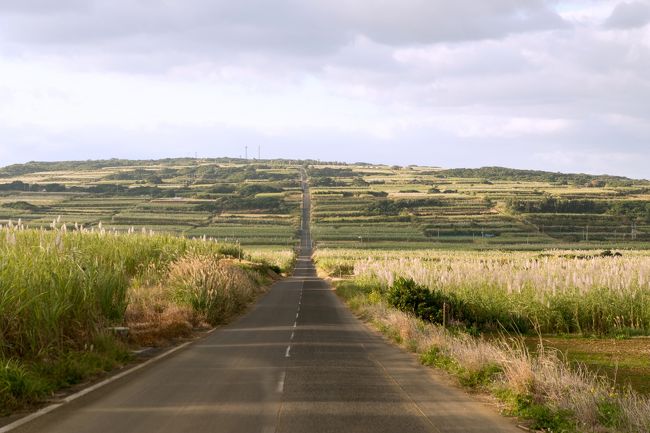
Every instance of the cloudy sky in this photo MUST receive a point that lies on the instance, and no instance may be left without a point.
(546, 84)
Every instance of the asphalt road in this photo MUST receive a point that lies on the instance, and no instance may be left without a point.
(298, 362)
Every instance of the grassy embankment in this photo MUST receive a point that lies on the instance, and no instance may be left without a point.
(62, 292)
(468, 313)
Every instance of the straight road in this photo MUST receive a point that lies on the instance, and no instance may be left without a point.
(298, 362)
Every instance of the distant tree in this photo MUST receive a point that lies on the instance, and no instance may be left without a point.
(154, 179)
(252, 189)
(325, 181)
(359, 182)
(16, 185)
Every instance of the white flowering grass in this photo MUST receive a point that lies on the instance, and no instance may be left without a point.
(556, 292)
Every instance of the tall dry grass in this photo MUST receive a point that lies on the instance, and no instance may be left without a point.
(58, 288)
(215, 288)
(196, 291)
(279, 260)
(553, 292)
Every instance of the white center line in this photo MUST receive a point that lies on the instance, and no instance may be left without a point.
(293, 334)
(295, 324)
(288, 354)
(283, 376)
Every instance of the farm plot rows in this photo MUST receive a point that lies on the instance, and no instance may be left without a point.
(238, 201)
(415, 207)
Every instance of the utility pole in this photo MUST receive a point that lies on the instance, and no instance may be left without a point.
(246, 152)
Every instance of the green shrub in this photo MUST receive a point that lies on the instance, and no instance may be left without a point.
(480, 378)
(610, 414)
(408, 296)
(542, 417)
(18, 385)
(434, 357)
(437, 307)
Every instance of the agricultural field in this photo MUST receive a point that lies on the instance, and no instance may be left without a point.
(238, 201)
(354, 205)
(365, 206)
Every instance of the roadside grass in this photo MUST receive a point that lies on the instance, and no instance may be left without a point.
(279, 260)
(25, 382)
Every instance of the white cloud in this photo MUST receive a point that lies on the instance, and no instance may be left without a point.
(517, 127)
(50, 97)
(592, 161)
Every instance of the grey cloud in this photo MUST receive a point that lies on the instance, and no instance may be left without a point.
(40, 7)
(426, 21)
(629, 15)
(565, 74)
(317, 26)
(201, 28)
